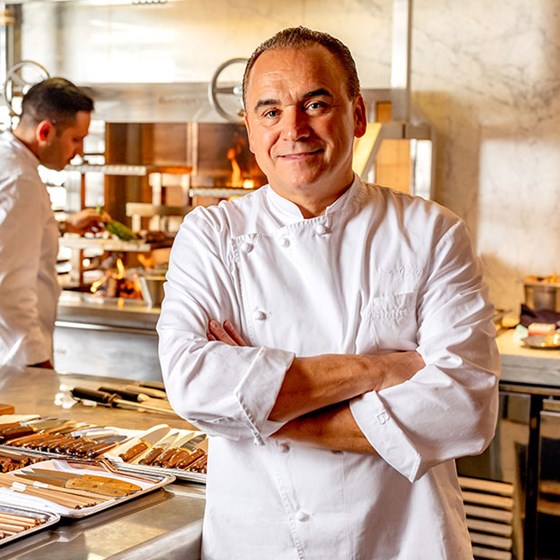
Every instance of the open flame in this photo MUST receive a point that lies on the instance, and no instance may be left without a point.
(121, 271)
(116, 284)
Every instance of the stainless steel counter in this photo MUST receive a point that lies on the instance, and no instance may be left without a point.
(527, 365)
(106, 337)
(111, 312)
(165, 524)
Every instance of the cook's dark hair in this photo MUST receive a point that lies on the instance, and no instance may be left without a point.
(299, 38)
(55, 99)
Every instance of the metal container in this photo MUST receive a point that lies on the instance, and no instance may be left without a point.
(542, 295)
(152, 288)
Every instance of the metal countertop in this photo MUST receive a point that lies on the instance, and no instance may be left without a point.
(527, 365)
(166, 523)
(82, 307)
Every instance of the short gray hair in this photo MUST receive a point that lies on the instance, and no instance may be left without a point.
(299, 38)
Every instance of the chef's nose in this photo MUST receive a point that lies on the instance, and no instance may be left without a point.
(295, 124)
(80, 149)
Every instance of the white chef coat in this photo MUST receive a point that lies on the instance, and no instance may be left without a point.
(380, 271)
(29, 289)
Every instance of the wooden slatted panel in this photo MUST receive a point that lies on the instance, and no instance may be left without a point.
(488, 506)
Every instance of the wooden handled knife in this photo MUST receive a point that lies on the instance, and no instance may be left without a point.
(103, 485)
(143, 443)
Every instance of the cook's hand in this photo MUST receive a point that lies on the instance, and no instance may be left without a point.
(227, 333)
(87, 220)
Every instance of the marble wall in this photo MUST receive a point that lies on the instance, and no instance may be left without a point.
(486, 74)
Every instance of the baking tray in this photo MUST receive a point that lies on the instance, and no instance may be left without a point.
(179, 474)
(135, 467)
(150, 483)
(112, 456)
(46, 518)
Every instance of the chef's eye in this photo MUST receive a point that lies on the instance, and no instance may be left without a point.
(271, 113)
(316, 106)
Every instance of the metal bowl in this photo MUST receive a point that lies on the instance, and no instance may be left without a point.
(152, 289)
(541, 295)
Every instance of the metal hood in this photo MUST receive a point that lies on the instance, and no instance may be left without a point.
(152, 102)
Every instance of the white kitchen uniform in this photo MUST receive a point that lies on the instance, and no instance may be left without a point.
(380, 271)
(29, 289)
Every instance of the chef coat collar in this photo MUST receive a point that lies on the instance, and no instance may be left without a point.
(22, 148)
(291, 213)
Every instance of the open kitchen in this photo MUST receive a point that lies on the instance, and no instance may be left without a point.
(461, 108)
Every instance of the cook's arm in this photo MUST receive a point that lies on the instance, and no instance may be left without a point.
(224, 390)
(20, 253)
(449, 408)
(315, 382)
(230, 390)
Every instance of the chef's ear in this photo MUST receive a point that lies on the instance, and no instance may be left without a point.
(360, 117)
(248, 127)
(45, 131)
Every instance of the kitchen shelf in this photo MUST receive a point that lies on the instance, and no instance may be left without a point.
(130, 170)
(219, 192)
(133, 246)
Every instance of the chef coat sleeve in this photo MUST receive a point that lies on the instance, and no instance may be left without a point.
(21, 230)
(225, 390)
(449, 408)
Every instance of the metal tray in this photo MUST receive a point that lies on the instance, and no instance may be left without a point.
(179, 474)
(153, 482)
(47, 518)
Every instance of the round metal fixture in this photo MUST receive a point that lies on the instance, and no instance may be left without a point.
(226, 98)
(19, 79)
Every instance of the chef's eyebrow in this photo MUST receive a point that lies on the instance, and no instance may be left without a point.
(320, 92)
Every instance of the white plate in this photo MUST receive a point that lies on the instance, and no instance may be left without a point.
(542, 342)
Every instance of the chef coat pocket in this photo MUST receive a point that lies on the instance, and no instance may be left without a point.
(394, 321)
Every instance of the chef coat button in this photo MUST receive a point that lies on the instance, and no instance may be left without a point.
(284, 242)
(302, 516)
(382, 417)
(284, 448)
(321, 229)
(259, 315)
(246, 247)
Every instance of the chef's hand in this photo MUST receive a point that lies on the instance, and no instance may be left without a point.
(45, 365)
(227, 332)
(87, 220)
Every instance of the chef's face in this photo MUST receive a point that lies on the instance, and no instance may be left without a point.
(301, 124)
(64, 142)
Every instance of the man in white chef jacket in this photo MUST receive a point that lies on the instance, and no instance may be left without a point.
(54, 122)
(333, 337)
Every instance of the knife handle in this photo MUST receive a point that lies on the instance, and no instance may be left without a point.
(157, 385)
(173, 458)
(26, 441)
(152, 455)
(200, 465)
(122, 393)
(17, 431)
(164, 457)
(82, 393)
(99, 449)
(184, 463)
(134, 451)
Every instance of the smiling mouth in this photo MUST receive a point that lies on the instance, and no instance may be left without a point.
(300, 155)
